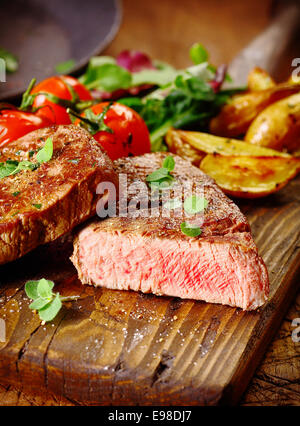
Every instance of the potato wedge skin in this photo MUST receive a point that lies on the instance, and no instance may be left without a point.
(194, 145)
(177, 145)
(278, 126)
(236, 116)
(259, 79)
(250, 177)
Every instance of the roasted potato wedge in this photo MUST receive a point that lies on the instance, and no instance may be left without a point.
(236, 116)
(259, 79)
(250, 177)
(277, 126)
(177, 145)
(204, 143)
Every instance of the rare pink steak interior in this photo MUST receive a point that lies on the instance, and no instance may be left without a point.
(152, 254)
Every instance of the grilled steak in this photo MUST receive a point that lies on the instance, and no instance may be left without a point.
(152, 254)
(38, 206)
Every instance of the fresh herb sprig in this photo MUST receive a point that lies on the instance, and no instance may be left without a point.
(192, 206)
(190, 230)
(45, 154)
(12, 167)
(45, 301)
(162, 178)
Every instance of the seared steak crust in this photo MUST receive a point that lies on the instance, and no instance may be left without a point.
(41, 205)
(221, 216)
(151, 254)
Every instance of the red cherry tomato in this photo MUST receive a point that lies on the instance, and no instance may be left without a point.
(58, 86)
(14, 124)
(130, 135)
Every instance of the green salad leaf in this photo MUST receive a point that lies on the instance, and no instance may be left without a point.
(185, 99)
(11, 61)
(103, 73)
(198, 53)
(188, 103)
(65, 67)
(110, 77)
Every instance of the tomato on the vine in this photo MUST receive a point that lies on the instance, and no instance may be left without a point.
(15, 123)
(117, 128)
(62, 87)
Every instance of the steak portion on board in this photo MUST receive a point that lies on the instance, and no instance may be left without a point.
(38, 206)
(147, 251)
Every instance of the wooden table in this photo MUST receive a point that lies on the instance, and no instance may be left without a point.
(166, 29)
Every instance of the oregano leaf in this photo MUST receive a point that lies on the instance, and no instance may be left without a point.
(49, 312)
(189, 230)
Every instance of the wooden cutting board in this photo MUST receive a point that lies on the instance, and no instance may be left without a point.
(113, 347)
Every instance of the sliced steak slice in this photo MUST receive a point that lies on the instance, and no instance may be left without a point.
(151, 254)
(38, 206)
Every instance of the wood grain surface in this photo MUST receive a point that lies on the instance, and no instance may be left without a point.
(276, 381)
(127, 348)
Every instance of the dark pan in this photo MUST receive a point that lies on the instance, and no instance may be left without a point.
(44, 33)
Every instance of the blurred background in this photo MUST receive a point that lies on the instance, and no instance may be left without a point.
(166, 29)
(42, 34)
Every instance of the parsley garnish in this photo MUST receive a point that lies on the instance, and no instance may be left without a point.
(15, 194)
(47, 303)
